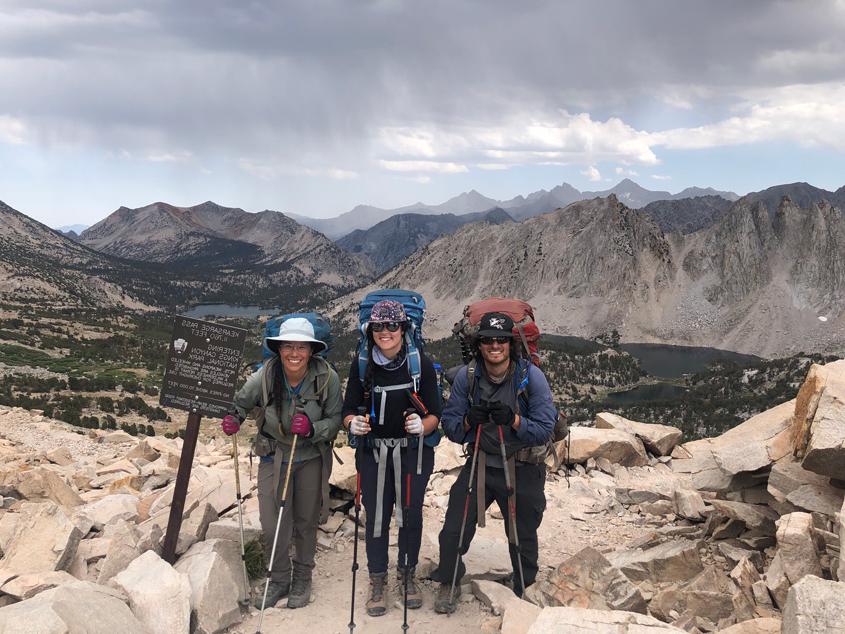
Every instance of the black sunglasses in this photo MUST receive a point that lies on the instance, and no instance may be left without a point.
(392, 326)
(491, 340)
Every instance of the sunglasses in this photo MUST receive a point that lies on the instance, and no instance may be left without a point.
(487, 341)
(392, 326)
(295, 347)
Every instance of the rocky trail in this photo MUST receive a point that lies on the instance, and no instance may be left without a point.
(742, 533)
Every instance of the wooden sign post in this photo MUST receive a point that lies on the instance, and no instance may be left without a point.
(201, 376)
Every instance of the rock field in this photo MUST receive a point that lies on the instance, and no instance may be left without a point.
(742, 534)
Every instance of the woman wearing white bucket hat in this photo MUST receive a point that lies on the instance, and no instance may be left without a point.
(299, 394)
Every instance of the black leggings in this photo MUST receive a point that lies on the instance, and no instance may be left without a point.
(530, 505)
(410, 535)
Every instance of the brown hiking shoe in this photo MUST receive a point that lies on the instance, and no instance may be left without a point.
(442, 604)
(300, 587)
(275, 591)
(377, 603)
(415, 599)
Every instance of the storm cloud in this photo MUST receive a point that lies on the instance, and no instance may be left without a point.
(337, 88)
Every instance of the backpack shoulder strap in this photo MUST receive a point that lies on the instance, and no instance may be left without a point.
(472, 377)
(266, 380)
(363, 358)
(521, 382)
(267, 371)
(322, 391)
(414, 362)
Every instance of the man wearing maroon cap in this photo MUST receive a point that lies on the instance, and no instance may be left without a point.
(504, 402)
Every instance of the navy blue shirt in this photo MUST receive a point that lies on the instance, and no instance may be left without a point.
(537, 418)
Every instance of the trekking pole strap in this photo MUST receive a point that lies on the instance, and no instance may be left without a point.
(510, 469)
(480, 490)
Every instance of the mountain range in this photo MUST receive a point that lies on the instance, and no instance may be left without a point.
(762, 275)
(165, 257)
(519, 208)
(259, 250)
(750, 282)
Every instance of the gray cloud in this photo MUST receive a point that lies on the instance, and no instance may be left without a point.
(319, 79)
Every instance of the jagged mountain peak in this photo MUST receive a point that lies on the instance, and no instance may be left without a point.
(687, 215)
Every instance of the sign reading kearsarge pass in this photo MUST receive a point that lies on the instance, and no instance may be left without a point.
(202, 367)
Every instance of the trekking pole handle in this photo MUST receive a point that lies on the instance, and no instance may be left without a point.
(416, 401)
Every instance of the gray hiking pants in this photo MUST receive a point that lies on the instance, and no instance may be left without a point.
(301, 515)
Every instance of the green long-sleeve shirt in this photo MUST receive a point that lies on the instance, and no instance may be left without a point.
(326, 420)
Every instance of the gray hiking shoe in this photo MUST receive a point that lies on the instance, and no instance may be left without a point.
(300, 588)
(275, 591)
(415, 598)
(377, 603)
(442, 604)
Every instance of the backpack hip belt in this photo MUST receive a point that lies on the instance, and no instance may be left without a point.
(411, 442)
(381, 448)
(532, 455)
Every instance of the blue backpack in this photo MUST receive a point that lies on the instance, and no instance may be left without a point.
(414, 306)
(322, 330)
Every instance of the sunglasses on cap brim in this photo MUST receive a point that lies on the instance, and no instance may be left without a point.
(392, 326)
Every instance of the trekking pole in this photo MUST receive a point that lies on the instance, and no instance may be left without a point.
(405, 512)
(247, 588)
(566, 466)
(361, 412)
(278, 525)
(470, 489)
(508, 483)
(510, 486)
(406, 508)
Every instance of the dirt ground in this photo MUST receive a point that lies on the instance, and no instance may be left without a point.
(569, 524)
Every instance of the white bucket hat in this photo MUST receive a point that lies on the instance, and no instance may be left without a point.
(295, 329)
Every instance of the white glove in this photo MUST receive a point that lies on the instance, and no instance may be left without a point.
(359, 426)
(414, 425)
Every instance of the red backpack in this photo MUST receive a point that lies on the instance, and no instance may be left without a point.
(525, 328)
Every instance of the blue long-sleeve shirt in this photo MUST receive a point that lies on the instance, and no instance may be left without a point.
(537, 419)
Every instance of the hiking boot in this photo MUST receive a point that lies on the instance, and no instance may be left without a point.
(377, 603)
(275, 591)
(300, 587)
(415, 599)
(442, 605)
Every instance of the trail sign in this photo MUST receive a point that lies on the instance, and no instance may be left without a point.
(202, 367)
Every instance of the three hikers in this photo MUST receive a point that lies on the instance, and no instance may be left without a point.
(500, 406)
